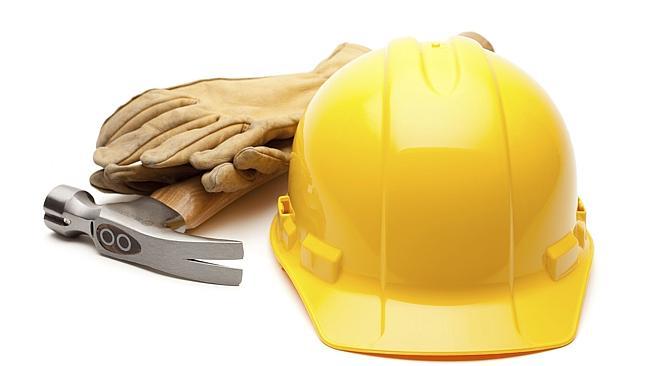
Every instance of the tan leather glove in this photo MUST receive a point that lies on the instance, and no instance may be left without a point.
(137, 179)
(220, 125)
(478, 38)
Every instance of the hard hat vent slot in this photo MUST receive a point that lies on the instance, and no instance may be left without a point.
(287, 230)
(580, 229)
(285, 206)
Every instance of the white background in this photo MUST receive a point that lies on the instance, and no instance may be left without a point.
(66, 66)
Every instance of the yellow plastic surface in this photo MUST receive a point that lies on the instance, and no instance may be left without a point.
(432, 207)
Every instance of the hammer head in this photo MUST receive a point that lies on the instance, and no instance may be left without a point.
(68, 211)
(136, 232)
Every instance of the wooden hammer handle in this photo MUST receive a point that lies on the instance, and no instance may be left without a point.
(195, 205)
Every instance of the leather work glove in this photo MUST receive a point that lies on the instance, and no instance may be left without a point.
(138, 179)
(478, 38)
(236, 129)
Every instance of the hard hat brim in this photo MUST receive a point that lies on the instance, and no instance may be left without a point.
(355, 314)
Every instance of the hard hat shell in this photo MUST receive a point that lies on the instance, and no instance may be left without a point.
(432, 207)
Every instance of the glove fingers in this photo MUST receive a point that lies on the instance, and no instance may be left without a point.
(264, 159)
(178, 149)
(138, 173)
(480, 39)
(127, 148)
(259, 133)
(151, 99)
(102, 183)
(344, 53)
(226, 178)
(151, 113)
(161, 139)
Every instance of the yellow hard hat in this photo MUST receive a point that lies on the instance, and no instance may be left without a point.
(432, 207)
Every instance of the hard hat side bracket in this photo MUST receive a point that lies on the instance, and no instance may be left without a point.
(562, 257)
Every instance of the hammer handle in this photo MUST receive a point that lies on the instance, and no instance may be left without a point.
(195, 205)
